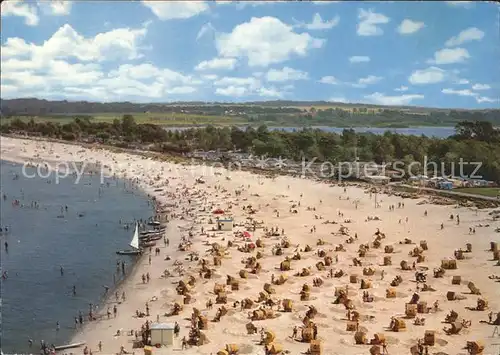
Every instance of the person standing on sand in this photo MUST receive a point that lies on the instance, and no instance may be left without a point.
(100, 346)
(149, 259)
(123, 296)
(177, 329)
(115, 310)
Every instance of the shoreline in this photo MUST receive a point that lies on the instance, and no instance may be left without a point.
(175, 159)
(267, 195)
(121, 281)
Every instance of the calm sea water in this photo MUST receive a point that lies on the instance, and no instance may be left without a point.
(35, 296)
(439, 132)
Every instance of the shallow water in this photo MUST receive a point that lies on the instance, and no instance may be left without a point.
(35, 295)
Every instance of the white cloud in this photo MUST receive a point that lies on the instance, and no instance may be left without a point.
(368, 21)
(60, 7)
(120, 43)
(242, 4)
(465, 4)
(205, 30)
(464, 92)
(181, 90)
(217, 64)
(286, 74)
(149, 71)
(233, 91)
(329, 80)
(210, 77)
(408, 26)
(479, 87)
(252, 83)
(359, 59)
(317, 23)
(135, 81)
(338, 99)
(21, 9)
(382, 99)
(67, 65)
(169, 10)
(469, 93)
(431, 75)
(450, 56)
(481, 99)
(269, 92)
(55, 7)
(324, 2)
(467, 35)
(402, 88)
(265, 41)
(462, 81)
(249, 86)
(369, 80)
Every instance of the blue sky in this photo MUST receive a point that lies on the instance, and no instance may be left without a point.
(439, 54)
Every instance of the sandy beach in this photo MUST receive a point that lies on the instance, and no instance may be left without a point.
(338, 224)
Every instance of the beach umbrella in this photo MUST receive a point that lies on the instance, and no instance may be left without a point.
(247, 235)
(218, 211)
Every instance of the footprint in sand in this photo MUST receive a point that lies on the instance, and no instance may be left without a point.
(235, 332)
(340, 331)
(246, 349)
(337, 310)
(441, 342)
(392, 340)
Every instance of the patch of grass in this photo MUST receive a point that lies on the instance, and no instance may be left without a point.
(484, 191)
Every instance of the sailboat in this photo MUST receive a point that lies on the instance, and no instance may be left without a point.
(134, 243)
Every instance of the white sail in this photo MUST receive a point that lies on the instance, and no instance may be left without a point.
(134, 243)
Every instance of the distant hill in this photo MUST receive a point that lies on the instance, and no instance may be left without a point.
(280, 112)
(33, 106)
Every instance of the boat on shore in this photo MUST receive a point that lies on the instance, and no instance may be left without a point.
(148, 244)
(69, 346)
(155, 232)
(149, 238)
(134, 243)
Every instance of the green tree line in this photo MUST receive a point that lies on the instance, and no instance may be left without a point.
(474, 141)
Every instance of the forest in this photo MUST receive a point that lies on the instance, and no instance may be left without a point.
(474, 141)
